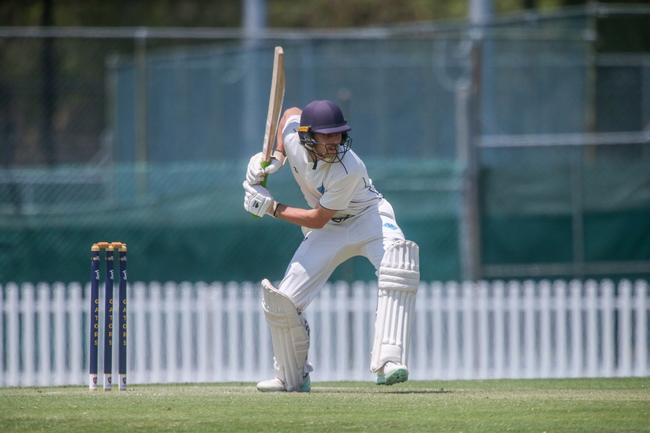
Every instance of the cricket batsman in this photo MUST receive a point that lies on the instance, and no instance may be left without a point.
(346, 217)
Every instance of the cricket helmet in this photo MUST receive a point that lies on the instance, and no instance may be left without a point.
(323, 117)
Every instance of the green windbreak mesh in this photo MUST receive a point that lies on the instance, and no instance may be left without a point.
(187, 222)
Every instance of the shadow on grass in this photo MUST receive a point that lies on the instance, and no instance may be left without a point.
(383, 390)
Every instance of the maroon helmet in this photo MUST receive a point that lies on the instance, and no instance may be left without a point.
(323, 117)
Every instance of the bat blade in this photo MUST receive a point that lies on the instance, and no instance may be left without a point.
(276, 98)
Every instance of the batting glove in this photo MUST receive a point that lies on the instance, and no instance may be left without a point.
(255, 174)
(257, 200)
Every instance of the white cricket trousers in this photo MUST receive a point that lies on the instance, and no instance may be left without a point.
(324, 249)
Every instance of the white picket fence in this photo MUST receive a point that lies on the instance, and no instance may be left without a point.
(182, 332)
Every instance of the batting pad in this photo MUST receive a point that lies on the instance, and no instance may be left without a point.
(289, 336)
(399, 277)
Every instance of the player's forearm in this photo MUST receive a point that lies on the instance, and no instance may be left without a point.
(310, 218)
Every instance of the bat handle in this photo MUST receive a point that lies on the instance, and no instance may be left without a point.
(265, 164)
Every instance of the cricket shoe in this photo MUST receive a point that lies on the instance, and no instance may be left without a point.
(276, 385)
(392, 373)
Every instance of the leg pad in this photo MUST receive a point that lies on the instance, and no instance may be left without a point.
(399, 278)
(289, 335)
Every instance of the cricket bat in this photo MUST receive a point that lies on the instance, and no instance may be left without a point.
(276, 97)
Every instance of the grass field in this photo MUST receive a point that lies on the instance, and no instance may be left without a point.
(580, 405)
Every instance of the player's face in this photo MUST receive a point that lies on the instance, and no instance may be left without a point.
(327, 145)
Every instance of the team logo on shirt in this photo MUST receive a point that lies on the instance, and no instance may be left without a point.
(390, 226)
(321, 189)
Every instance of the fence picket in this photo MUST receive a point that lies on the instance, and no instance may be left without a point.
(187, 310)
(325, 331)
(371, 314)
(248, 342)
(170, 333)
(452, 341)
(342, 330)
(217, 329)
(467, 349)
(419, 348)
(27, 308)
(625, 328)
(530, 357)
(140, 311)
(13, 335)
(43, 306)
(155, 293)
(545, 328)
(514, 351)
(437, 321)
(497, 306)
(560, 329)
(359, 340)
(483, 341)
(75, 311)
(59, 333)
(641, 346)
(203, 343)
(232, 347)
(608, 307)
(576, 327)
(592, 328)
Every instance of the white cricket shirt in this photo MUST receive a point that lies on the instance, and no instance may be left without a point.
(341, 186)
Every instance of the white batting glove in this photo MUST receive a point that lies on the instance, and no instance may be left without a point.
(255, 174)
(258, 200)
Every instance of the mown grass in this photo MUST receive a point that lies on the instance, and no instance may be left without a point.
(577, 405)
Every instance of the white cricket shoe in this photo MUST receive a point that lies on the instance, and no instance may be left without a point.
(271, 385)
(392, 373)
(276, 385)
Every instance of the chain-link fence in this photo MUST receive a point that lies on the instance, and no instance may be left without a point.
(142, 136)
